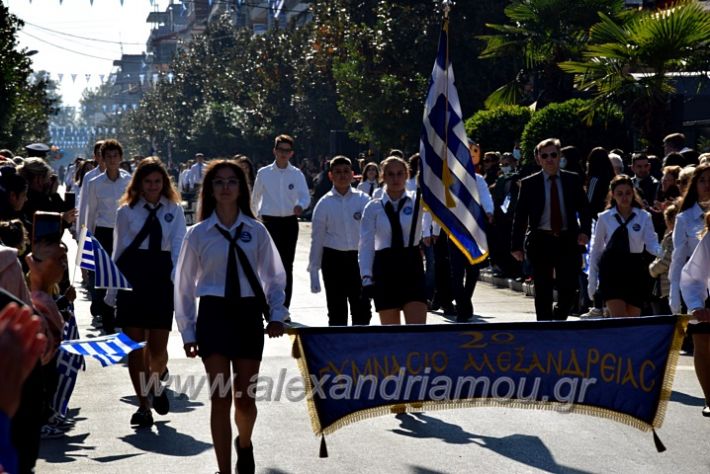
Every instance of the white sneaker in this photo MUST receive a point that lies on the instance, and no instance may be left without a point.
(593, 313)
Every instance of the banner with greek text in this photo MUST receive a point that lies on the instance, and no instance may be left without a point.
(620, 369)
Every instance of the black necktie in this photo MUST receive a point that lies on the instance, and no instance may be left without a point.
(232, 289)
(393, 216)
(372, 188)
(155, 242)
(555, 211)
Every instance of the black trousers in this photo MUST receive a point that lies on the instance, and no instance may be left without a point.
(555, 262)
(464, 277)
(105, 237)
(284, 231)
(341, 278)
(442, 271)
(28, 420)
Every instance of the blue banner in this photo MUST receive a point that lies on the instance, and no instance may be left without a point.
(620, 369)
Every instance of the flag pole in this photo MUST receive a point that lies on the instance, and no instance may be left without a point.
(445, 171)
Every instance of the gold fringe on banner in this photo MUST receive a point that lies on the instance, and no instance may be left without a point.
(418, 406)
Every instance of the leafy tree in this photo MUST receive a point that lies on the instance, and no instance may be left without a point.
(497, 129)
(567, 121)
(650, 44)
(26, 99)
(538, 35)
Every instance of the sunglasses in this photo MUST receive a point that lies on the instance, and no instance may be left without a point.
(545, 156)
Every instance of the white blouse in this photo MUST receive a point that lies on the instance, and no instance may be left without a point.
(202, 269)
(688, 225)
(336, 223)
(695, 277)
(641, 235)
(365, 187)
(376, 232)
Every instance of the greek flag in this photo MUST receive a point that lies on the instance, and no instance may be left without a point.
(108, 350)
(92, 256)
(68, 366)
(448, 175)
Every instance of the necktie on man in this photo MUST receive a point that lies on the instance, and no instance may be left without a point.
(555, 211)
(393, 217)
(155, 235)
(232, 289)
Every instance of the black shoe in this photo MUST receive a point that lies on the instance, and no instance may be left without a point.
(706, 411)
(142, 418)
(449, 310)
(245, 458)
(164, 376)
(160, 403)
(463, 319)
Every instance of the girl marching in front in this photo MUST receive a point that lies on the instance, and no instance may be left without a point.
(390, 261)
(150, 226)
(229, 261)
(616, 264)
(694, 284)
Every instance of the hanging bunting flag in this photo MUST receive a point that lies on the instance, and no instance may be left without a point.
(91, 2)
(135, 106)
(142, 78)
(60, 76)
(102, 76)
(73, 77)
(104, 107)
(155, 78)
(170, 77)
(88, 77)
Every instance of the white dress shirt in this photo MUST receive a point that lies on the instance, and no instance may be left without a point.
(545, 222)
(695, 276)
(688, 225)
(365, 187)
(376, 232)
(484, 194)
(278, 190)
(202, 269)
(641, 235)
(101, 200)
(194, 178)
(81, 217)
(130, 221)
(336, 223)
(184, 181)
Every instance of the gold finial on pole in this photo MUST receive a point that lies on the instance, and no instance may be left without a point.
(447, 7)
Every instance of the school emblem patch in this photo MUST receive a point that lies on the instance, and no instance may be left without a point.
(290, 186)
(245, 237)
(407, 210)
(357, 216)
(636, 227)
(169, 217)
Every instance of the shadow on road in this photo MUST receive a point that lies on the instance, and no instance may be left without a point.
(525, 449)
(179, 402)
(686, 399)
(63, 450)
(167, 441)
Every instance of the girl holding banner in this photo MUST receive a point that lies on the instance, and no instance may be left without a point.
(227, 331)
(390, 261)
(616, 264)
(150, 226)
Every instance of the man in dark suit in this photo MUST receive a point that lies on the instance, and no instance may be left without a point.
(545, 225)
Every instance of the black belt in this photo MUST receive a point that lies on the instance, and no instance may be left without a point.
(275, 218)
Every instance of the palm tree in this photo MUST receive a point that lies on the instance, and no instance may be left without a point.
(629, 64)
(541, 34)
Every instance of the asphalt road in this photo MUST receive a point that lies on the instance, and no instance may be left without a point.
(451, 441)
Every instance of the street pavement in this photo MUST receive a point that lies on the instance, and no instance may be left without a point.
(505, 440)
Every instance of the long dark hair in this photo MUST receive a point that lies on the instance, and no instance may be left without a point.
(617, 181)
(147, 166)
(207, 201)
(599, 165)
(691, 194)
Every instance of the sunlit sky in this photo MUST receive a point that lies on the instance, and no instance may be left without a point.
(49, 26)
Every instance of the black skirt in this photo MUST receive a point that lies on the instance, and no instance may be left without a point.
(150, 304)
(231, 328)
(399, 278)
(624, 276)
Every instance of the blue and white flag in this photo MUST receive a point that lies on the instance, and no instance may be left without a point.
(92, 256)
(448, 178)
(106, 349)
(68, 366)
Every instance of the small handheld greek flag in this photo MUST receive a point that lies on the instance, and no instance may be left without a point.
(108, 350)
(92, 256)
(448, 178)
